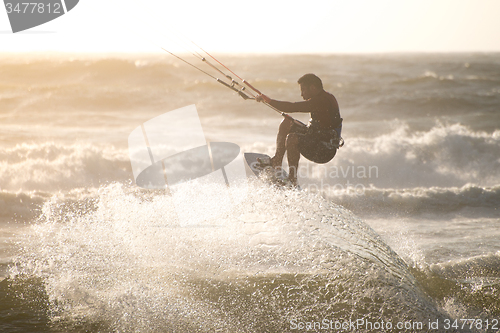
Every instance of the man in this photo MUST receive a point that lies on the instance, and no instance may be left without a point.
(319, 140)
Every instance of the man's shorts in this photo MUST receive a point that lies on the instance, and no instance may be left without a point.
(316, 146)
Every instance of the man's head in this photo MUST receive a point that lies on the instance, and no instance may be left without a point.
(310, 85)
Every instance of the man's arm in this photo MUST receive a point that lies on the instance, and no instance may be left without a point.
(289, 107)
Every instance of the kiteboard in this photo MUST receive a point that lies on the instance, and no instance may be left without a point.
(265, 171)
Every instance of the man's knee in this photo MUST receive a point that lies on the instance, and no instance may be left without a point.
(286, 124)
(292, 140)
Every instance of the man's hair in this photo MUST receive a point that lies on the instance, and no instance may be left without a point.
(310, 80)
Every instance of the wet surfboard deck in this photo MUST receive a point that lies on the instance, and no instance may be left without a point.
(265, 172)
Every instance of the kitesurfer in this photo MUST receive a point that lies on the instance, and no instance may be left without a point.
(317, 141)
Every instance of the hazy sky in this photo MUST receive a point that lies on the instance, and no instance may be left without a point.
(263, 26)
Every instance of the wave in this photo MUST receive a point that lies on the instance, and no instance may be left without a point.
(66, 69)
(416, 201)
(477, 269)
(114, 86)
(52, 167)
(466, 286)
(449, 164)
(67, 90)
(446, 169)
(444, 156)
(147, 71)
(277, 257)
(431, 77)
(23, 207)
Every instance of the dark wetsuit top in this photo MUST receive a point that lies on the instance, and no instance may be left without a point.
(319, 141)
(323, 108)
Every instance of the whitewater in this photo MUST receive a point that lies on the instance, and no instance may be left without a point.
(401, 227)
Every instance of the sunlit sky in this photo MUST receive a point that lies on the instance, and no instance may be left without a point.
(266, 26)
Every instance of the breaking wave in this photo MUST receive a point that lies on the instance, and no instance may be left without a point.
(446, 155)
(420, 200)
(51, 167)
(122, 262)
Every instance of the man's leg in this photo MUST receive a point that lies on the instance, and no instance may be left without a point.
(284, 130)
(293, 155)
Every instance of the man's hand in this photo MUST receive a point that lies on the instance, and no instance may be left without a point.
(262, 97)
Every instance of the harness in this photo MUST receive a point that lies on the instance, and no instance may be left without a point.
(331, 137)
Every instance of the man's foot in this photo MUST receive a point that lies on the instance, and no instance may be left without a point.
(264, 162)
(268, 161)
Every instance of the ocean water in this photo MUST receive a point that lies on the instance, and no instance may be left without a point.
(398, 233)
